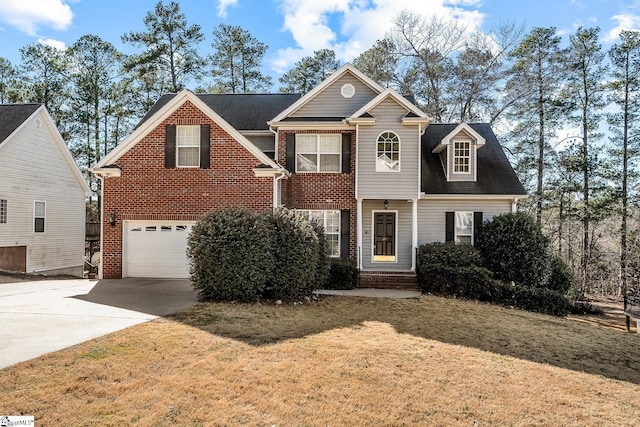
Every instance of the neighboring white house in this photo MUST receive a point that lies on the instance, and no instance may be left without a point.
(42, 195)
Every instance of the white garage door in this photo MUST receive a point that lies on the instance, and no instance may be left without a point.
(156, 249)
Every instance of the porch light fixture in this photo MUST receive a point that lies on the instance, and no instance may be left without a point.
(386, 204)
(112, 219)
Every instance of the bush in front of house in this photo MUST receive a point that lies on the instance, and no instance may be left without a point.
(231, 256)
(297, 255)
(561, 277)
(456, 270)
(343, 274)
(515, 249)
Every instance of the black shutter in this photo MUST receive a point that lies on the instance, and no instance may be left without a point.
(477, 226)
(449, 224)
(346, 153)
(345, 233)
(205, 133)
(170, 146)
(291, 152)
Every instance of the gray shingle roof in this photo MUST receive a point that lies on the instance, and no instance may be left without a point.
(12, 116)
(242, 111)
(495, 174)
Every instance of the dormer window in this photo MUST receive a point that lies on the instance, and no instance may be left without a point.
(388, 152)
(461, 156)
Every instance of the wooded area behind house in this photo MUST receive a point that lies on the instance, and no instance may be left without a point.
(566, 110)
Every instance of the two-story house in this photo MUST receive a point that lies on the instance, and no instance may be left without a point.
(363, 159)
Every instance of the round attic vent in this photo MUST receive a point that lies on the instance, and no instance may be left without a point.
(347, 90)
(37, 122)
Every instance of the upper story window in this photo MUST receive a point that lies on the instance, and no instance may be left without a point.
(388, 152)
(318, 153)
(39, 215)
(188, 146)
(461, 156)
(3, 211)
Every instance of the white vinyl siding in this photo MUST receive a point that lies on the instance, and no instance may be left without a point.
(188, 146)
(34, 168)
(330, 102)
(330, 220)
(39, 216)
(432, 213)
(318, 153)
(3, 211)
(401, 184)
(388, 152)
(463, 227)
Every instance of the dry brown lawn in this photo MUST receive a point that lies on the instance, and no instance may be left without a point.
(338, 361)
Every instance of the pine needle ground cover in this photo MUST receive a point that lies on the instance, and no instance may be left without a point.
(338, 361)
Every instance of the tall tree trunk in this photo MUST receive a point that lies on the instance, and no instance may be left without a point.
(625, 201)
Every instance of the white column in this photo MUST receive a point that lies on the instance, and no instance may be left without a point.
(414, 232)
(359, 235)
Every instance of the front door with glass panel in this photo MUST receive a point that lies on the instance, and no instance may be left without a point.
(384, 237)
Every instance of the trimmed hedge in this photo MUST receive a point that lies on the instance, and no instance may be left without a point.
(244, 256)
(343, 274)
(230, 252)
(464, 278)
(515, 249)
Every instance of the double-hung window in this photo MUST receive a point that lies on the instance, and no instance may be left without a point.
(318, 153)
(464, 227)
(388, 152)
(461, 156)
(3, 211)
(39, 215)
(188, 146)
(330, 220)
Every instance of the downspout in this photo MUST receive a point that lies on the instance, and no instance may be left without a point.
(276, 189)
(101, 178)
(514, 205)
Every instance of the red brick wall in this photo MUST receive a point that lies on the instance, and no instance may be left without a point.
(329, 191)
(148, 191)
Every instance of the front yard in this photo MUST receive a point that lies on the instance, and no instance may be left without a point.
(338, 361)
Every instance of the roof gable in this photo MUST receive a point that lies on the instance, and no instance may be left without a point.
(495, 174)
(13, 117)
(339, 73)
(414, 114)
(462, 128)
(168, 106)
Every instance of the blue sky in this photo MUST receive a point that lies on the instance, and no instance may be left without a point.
(295, 28)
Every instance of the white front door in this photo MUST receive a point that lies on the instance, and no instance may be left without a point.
(156, 249)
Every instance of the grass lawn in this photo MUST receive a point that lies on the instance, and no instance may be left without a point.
(338, 361)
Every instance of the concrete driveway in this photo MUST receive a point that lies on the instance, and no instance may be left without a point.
(40, 317)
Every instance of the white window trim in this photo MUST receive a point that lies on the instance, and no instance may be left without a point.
(399, 153)
(317, 152)
(373, 243)
(178, 146)
(455, 228)
(4, 211)
(44, 228)
(453, 156)
(306, 213)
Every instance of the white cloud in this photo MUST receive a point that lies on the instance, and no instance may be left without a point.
(28, 15)
(625, 21)
(351, 27)
(223, 5)
(57, 44)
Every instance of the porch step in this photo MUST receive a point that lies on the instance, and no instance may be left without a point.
(388, 280)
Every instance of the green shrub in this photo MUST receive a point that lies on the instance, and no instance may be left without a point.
(561, 277)
(449, 254)
(515, 249)
(296, 255)
(470, 282)
(324, 260)
(343, 274)
(230, 253)
(539, 300)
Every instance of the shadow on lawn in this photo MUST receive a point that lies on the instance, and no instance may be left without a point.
(544, 339)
